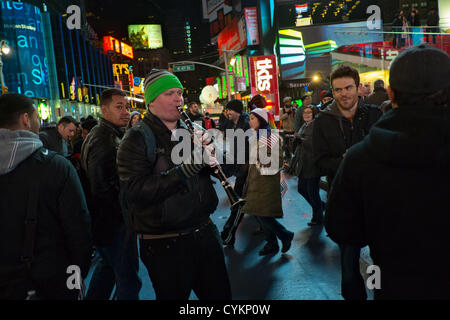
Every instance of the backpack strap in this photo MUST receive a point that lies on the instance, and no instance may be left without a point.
(150, 140)
(30, 225)
(32, 207)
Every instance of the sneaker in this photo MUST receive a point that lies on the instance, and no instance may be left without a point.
(269, 249)
(287, 243)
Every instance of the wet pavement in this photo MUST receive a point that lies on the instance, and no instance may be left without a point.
(310, 270)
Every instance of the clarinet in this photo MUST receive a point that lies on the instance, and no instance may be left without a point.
(235, 200)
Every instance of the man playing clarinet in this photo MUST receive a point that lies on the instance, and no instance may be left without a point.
(169, 205)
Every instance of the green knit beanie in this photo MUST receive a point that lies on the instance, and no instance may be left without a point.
(158, 81)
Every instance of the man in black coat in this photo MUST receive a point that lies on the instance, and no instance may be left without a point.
(45, 237)
(58, 138)
(116, 243)
(379, 94)
(391, 190)
(345, 122)
(170, 203)
(238, 120)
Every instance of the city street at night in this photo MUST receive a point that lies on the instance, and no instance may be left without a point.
(216, 157)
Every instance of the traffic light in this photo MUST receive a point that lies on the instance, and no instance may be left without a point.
(4, 89)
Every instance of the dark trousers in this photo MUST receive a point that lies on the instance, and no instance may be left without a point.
(434, 30)
(273, 229)
(180, 264)
(352, 285)
(118, 265)
(288, 146)
(309, 189)
(236, 215)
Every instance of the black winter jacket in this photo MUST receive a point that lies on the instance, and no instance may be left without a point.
(159, 200)
(62, 236)
(53, 141)
(391, 193)
(333, 134)
(306, 167)
(377, 97)
(98, 160)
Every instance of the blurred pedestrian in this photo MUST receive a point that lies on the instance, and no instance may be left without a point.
(308, 173)
(57, 138)
(397, 24)
(287, 116)
(44, 222)
(432, 25)
(208, 122)
(379, 94)
(239, 169)
(135, 117)
(403, 161)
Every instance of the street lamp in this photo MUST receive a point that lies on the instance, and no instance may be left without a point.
(5, 50)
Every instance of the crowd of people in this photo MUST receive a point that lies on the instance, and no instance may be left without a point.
(115, 195)
(404, 24)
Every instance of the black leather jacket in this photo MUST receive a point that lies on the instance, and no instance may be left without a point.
(159, 200)
(98, 160)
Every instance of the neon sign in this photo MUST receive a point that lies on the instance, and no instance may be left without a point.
(112, 44)
(264, 79)
(26, 68)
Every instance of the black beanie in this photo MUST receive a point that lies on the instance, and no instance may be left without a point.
(235, 105)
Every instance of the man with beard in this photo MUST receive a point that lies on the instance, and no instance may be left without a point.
(345, 122)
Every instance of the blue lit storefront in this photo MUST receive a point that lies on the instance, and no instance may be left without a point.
(55, 66)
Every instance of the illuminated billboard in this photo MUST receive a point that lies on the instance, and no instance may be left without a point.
(25, 68)
(299, 48)
(264, 79)
(145, 36)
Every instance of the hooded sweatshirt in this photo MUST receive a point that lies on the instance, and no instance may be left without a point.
(16, 146)
(62, 233)
(390, 193)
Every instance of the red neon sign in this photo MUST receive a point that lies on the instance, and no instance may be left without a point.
(264, 79)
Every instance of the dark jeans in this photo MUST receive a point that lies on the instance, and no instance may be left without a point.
(273, 230)
(180, 264)
(309, 189)
(118, 265)
(236, 215)
(352, 285)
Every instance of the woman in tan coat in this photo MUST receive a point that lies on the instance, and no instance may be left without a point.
(263, 183)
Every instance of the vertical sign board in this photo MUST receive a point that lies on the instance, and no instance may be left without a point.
(251, 21)
(25, 68)
(264, 79)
